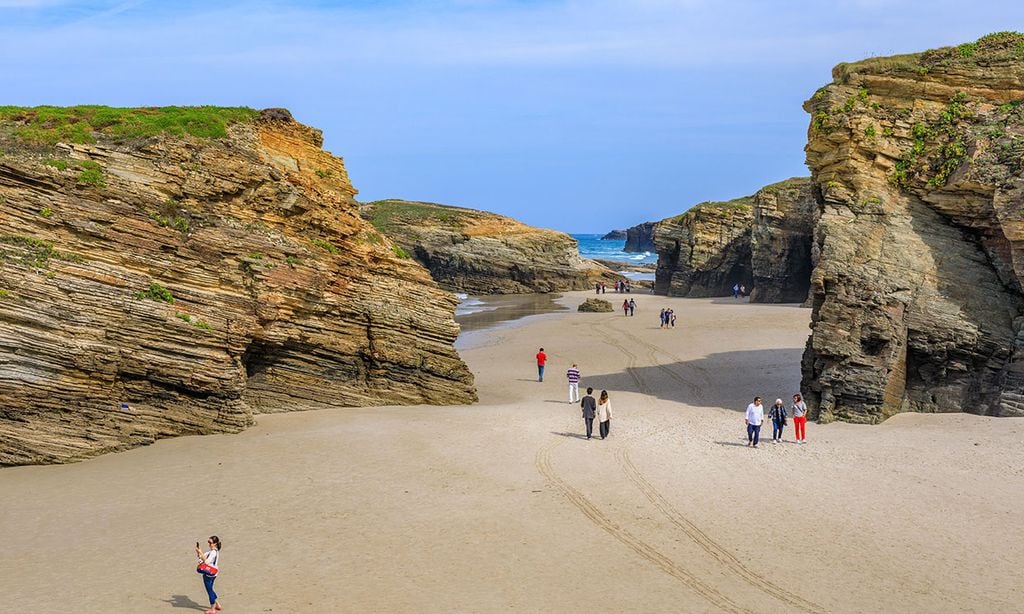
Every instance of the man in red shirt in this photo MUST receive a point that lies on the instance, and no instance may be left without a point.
(541, 359)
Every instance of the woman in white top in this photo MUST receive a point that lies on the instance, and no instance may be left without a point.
(211, 557)
(604, 413)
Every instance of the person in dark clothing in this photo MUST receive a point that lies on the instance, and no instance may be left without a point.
(632, 306)
(777, 414)
(589, 405)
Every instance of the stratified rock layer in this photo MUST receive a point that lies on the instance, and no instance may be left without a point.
(706, 250)
(640, 238)
(916, 286)
(478, 252)
(780, 250)
(283, 297)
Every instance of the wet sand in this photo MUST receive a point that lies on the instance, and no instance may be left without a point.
(503, 506)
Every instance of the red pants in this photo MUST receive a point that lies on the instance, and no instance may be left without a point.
(800, 425)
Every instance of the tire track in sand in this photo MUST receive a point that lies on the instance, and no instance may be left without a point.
(634, 543)
(713, 548)
(677, 518)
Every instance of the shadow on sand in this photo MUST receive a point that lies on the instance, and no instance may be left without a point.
(570, 435)
(729, 379)
(185, 602)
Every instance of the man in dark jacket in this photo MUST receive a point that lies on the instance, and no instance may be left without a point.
(589, 406)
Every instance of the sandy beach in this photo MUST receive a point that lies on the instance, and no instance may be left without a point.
(503, 506)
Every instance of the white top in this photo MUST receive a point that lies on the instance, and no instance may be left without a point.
(211, 557)
(755, 414)
(799, 409)
(604, 411)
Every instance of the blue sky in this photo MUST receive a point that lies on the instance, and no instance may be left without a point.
(578, 116)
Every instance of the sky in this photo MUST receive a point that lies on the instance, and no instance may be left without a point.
(577, 116)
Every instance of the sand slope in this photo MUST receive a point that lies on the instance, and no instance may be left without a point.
(502, 506)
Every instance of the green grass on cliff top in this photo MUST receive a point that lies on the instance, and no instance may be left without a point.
(392, 215)
(721, 208)
(995, 46)
(88, 123)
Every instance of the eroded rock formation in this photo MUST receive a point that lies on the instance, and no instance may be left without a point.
(614, 235)
(478, 252)
(706, 250)
(916, 289)
(780, 249)
(640, 238)
(197, 280)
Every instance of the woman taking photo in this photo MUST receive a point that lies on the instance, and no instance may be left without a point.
(208, 564)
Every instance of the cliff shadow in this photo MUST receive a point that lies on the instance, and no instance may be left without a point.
(728, 380)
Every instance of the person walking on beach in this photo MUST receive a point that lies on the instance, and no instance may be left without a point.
(632, 306)
(743, 291)
(573, 375)
(663, 317)
(208, 566)
(799, 409)
(597, 287)
(604, 288)
(672, 317)
(604, 414)
(777, 414)
(625, 307)
(754, 418)
(589, 409)
(541, 359)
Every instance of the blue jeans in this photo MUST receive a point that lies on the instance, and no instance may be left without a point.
(208, 583)
(753, 433)
(540, 373)
(777, 426)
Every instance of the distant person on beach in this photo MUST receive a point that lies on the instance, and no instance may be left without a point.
(672, 317)
(736, 290)
(663, 311)
(628, 285)
(777, 414)
(625, 307)
(573, 375)
(541, 359)
(743, 291)
(632, 306)
(208, 566)
(597, 287)
(589, 409)
(604, 414)
(799, 409)
(754, 418)
(604, 288)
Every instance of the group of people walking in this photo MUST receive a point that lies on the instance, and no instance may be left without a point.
(668, 318)
(620, 286)
(600, 409)
(628, 307)
(779, 415)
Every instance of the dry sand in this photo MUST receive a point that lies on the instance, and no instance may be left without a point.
(502, 506)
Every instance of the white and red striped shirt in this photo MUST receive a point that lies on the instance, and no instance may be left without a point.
(573, 375)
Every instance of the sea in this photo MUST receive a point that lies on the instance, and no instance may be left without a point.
(510, 307)
(591, 246)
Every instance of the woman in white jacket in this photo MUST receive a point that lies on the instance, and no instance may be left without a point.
(604, 413)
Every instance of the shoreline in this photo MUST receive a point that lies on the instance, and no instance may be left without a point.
(499, 504)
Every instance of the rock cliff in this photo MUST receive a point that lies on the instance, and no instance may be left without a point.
(478, 252)
(614, 235)
(706, 250)
(197, 265)
(640, 238)
(780, 239)
(762, 242)
(916, 290)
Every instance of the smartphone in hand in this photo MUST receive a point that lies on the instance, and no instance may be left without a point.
(197, 544)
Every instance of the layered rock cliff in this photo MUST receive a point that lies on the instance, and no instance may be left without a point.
(640, 238)
(762, 242)
(916, 290)
(614, 235)
(174, 271)
(706, 250)
(477, 252)
(780, 241)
